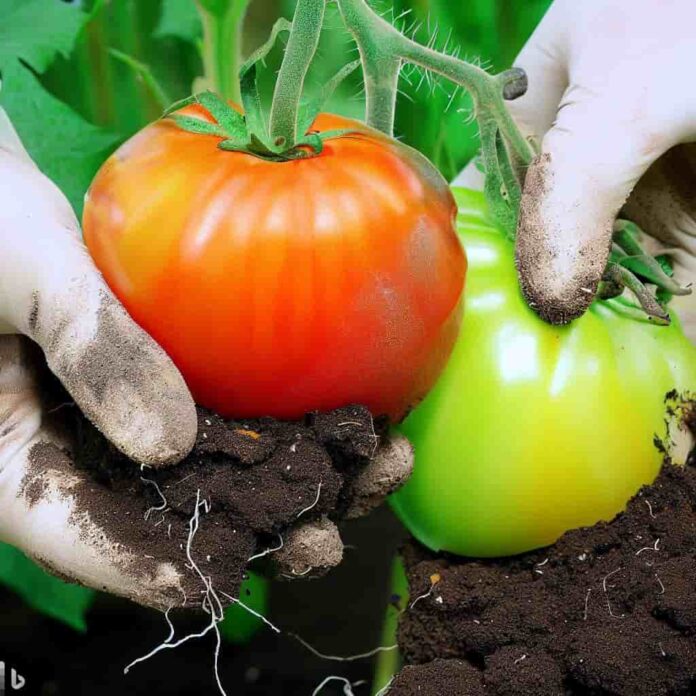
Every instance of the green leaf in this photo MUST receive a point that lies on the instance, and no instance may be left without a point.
(239, 626)
(179, 19)
(36, 30)
(44, 592)
(68, 149)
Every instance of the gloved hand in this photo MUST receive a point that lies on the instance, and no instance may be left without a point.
(52, 299)
(51, 293)
(610, 101)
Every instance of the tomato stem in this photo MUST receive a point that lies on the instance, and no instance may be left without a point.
(221, 49)
(302, 45)
(505, 151)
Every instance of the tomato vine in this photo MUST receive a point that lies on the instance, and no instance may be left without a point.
(384, 50)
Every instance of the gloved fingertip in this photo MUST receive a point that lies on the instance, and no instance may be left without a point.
(310, 550)
(389, 470)
(123, 382)
(561, 247)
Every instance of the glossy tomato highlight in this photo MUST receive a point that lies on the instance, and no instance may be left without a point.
(536, 429)
(280, 288)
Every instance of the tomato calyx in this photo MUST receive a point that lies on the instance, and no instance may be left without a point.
(631, 266)
(249, 132)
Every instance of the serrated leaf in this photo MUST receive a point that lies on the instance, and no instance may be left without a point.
(68, 149)
(179, 19)
(45, 593)
(37, 30)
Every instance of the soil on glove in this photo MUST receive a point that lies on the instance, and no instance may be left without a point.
(607, 610)
(253, 480)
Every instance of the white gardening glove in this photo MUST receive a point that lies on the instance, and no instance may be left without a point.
(51, 293)
(611, 100)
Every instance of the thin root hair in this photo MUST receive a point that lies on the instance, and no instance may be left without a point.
(157, 508)
(347, 685)
(337, 658)
(267, 551)
(211, 604)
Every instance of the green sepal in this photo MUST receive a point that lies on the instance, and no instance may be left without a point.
(664, 296)
(258, 147)
(630, 266)
(224, 114)
(647, 267)
(628, 252)
(198, 125)
(230, 145)
(249, 133)
(309, 111)
(623, 277)
(262, 51)
(337, 133)
(179, 104)
(314, 141)
(253, 111)
(248, 85)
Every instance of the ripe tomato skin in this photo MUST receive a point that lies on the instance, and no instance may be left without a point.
(534, 429)
(281, 288)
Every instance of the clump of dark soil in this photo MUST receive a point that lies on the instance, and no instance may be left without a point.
(608, 610)
(259, 478)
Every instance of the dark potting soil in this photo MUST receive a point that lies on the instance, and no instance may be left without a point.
(608, 610)
(259, 477)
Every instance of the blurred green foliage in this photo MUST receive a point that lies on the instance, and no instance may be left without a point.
(165, 34)
(45, 593)
(72, 100)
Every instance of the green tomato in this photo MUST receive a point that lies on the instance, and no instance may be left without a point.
(535, 429)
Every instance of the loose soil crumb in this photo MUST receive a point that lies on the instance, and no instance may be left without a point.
(607, 610)
(260, 478)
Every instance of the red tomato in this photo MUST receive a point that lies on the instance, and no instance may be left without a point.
(280, 288)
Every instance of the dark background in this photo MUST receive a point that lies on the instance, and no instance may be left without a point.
(340, 614)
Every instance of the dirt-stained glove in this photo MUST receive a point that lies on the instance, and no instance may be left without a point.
(51, 293)
(59, 319)
(610, 101)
